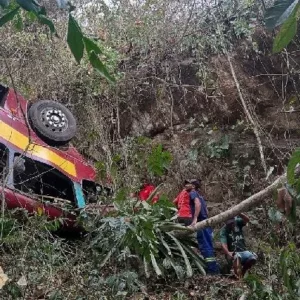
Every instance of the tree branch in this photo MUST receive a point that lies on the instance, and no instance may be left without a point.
(251, 120)
(241, 207)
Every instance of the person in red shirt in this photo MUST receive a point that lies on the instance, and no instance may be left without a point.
(146, 191)
(182, 201)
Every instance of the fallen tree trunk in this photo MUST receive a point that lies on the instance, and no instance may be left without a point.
(241, 207)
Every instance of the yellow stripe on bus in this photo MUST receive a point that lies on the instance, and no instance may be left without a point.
(21, 141)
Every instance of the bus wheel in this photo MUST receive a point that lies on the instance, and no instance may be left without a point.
(52, 121)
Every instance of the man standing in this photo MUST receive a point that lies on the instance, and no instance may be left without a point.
(234, 247)
(204, 236)
(182, 201)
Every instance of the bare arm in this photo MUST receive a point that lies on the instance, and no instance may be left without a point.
(197, 211)
(224, 243)
(225, 248)
(226, 251)
(175, 201)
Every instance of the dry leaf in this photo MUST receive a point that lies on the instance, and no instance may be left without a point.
(3, 278)
(22, 281)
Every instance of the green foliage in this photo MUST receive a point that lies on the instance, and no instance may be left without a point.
(218, 149)
(144, 234)
(123, 283)
(289, 270)
(77, 42)
(287, 32)
(7, 227)
(99, 66)
(158, 161)
(179, 296)
(283, 281)
(293, 185)
(31, 5)
(8, 16)
(258, 289)
(283, 12)
(293, 162)
(90, 46)
(44, 20)
(135, 161)
(75, 38)
(279, 12)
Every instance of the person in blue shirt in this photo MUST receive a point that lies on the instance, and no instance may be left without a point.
(204, 236)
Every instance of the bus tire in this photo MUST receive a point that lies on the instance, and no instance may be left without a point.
(52, 121)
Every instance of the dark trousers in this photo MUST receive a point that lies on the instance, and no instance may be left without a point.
(186, 221)
(205, 244)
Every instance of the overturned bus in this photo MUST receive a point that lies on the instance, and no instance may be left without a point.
(40, 171)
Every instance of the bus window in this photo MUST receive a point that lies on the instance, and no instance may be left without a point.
(3, 92)
(3, 161)
(92, 191)
(42, 180)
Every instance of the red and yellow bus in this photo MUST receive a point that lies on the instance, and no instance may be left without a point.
(40, 171)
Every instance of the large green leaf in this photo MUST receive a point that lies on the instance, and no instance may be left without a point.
(4, 3)
(9, 16)
(29, 5)
(189, 270)
(155, 265)
(287, 32)
(48, 22)
(172, 263)
(99, 66)
(165, 244)
(75, 39)
(146, 267)
(90, 46)
(279, 12)
(196, 259)
(294, 160)
(293, 214)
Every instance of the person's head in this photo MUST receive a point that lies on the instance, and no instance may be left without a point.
(144, 180)
(230, 223)
(191, 184)
(188, 186)
(196, 183)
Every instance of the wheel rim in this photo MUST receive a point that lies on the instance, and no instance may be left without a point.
(54, 119)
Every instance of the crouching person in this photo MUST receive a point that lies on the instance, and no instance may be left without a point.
(234, 247)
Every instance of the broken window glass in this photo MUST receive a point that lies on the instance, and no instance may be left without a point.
(39, 179)
(93, 191)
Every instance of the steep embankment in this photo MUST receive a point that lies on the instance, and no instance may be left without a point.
(195, 111)
(188, 101)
